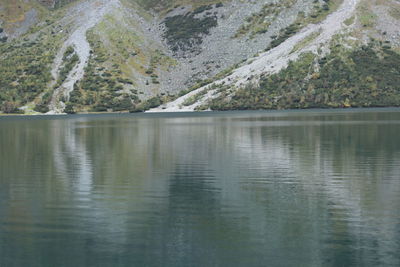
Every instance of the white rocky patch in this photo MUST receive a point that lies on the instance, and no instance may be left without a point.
(84, 16)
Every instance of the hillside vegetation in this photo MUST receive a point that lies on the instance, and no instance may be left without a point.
(365, 77)
(133, 55)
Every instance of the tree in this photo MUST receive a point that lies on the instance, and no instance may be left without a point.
(10, 107)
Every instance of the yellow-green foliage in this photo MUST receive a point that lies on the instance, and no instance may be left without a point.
(125, 46)
(350, 21)
(311, 37)
(366, 16)
(103, 85)
(158, 60)
(13, 12)
(120, 39)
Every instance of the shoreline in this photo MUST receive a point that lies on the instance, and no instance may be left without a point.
(205, 112)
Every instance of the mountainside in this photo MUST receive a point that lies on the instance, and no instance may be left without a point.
(60, 56)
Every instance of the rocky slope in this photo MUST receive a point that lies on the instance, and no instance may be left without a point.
(182, 55)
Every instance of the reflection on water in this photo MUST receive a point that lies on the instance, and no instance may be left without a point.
(218, 189)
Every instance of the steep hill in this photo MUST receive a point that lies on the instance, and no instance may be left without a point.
(183, 55)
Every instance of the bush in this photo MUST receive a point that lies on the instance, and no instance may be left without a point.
(148, 104)
(69, 108)
(123, 104)
(42, 108)
(68, 52)
(10, 108)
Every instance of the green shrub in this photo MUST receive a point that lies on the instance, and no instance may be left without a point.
(69, 108)
(68, 52)
(42, 108)
(150, 103)
(10, 108)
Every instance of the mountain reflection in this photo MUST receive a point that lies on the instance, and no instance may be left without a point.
(241, 189)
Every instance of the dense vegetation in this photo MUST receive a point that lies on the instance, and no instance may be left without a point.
(366, 77)
(184, 32)
(102, 87)
(70, 59)
(99, 91)
(25, 70)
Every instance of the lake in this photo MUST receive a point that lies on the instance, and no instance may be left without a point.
(278, 188)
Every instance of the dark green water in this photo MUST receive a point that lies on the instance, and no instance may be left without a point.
(309, 188)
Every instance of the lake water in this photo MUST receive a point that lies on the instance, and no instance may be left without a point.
(293, 188)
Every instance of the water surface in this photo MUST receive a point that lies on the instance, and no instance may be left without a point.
(299, 188)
